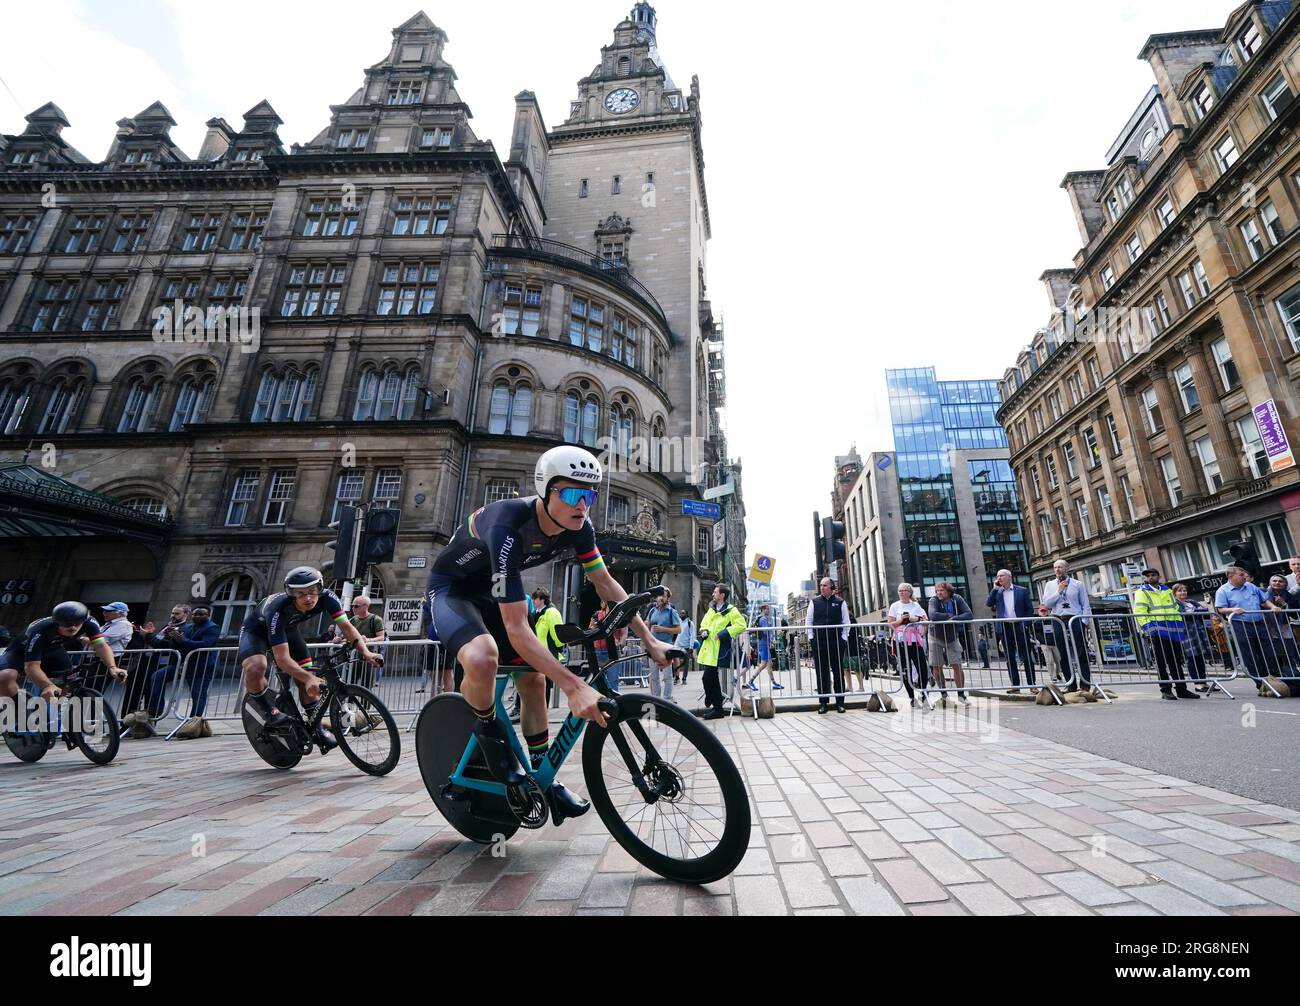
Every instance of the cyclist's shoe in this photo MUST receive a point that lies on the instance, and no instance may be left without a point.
(324, 736)
(267, 713)
(493, 739)
(565, 804)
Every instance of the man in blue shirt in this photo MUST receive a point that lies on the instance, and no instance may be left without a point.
(665, 625)
(1067, 599)
(199, 633)
(1244, 603)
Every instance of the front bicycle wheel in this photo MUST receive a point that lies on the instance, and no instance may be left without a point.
(693, 823)
(99, 736)
(366, 730)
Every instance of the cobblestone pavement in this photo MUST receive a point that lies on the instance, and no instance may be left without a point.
(921, 814)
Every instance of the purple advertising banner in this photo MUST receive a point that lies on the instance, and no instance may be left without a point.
(1273, 436)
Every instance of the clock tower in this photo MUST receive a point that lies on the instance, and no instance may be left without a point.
(625, 181)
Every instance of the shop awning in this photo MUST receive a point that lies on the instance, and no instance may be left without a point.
(36, 504)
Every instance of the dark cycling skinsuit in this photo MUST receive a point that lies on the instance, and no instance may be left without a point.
(42, 641)
(276, 621)
(481, 566)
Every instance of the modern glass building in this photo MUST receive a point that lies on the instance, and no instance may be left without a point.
(959, 504)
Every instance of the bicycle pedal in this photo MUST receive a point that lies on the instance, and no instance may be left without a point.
(454, 793)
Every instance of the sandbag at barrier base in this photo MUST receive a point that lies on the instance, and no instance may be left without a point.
(1050, 695)
(766, 707)
(881, 702)
(1278, 685)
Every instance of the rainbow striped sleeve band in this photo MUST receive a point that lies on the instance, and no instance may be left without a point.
(97, 638)
(340, 617)
(591, 561)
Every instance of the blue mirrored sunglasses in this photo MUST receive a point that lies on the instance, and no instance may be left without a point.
(573, 496)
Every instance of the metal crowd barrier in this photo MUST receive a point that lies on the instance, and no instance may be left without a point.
(1265, 647)
(1184, 653)
(213, 681)
(142, 667)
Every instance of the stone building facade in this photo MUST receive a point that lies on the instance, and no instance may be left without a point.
(1131, 415)
(419, 321)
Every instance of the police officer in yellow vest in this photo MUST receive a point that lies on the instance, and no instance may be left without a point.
(722, 623)
(1159, 618)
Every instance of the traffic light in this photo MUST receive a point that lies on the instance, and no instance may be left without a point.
(833, 542)
(819, 554)
(380, 538)
(1244, 555)
(344, 564)
(911, 560)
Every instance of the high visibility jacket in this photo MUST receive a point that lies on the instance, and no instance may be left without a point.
(546, 622)
(730, 620)
(1158, 613)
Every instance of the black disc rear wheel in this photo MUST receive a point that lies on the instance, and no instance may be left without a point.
(28, 747)
(99, 736)
(277, 748)
(695, 829)
(444, 728)
(366, 730)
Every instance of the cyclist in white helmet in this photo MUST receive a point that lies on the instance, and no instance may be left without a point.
(479, 607)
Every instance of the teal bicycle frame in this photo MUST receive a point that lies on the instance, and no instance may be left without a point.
(564, 741)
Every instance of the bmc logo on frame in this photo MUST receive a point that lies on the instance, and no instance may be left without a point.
(103, 960)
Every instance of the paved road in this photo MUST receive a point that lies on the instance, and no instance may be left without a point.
(934, 813)
(1250, 747)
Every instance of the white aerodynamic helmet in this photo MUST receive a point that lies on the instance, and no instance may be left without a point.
(567, 462)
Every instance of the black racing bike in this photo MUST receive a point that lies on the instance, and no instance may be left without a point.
(363, 726)
(81, 717)
(660, 779)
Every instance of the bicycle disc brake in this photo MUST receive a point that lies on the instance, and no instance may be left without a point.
(666, 781)
(528, 803)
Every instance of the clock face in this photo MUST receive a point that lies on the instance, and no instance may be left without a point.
(622, 101)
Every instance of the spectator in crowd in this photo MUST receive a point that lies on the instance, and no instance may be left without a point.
(1281, 628)
(721, 624)
(1244, 604)
(764, 644)
(665, 625)
(686, 643)
(371, 627)
(437, 659)
(855, 661)
(1159, 618)
(828, 628)
(945, 646)
(199, 632)
(1197, 649)
(982, 648)
(1011, 601)
(615, 673)
(1067, 599)
(908, 619)
(1293, 578)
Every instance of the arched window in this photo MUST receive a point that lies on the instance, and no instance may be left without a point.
(590, 421)
(141, 404)
(15, 393)
(624, 65)
(192, 402)
(285, 396)
(147, 504)
(232, 600)
(390, 394)
(61, 407)
(622, 426)
(572, 408)
(511, 409)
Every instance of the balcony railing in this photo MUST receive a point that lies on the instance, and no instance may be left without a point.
(556, 251)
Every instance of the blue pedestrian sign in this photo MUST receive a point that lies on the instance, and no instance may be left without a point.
(694, 508)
